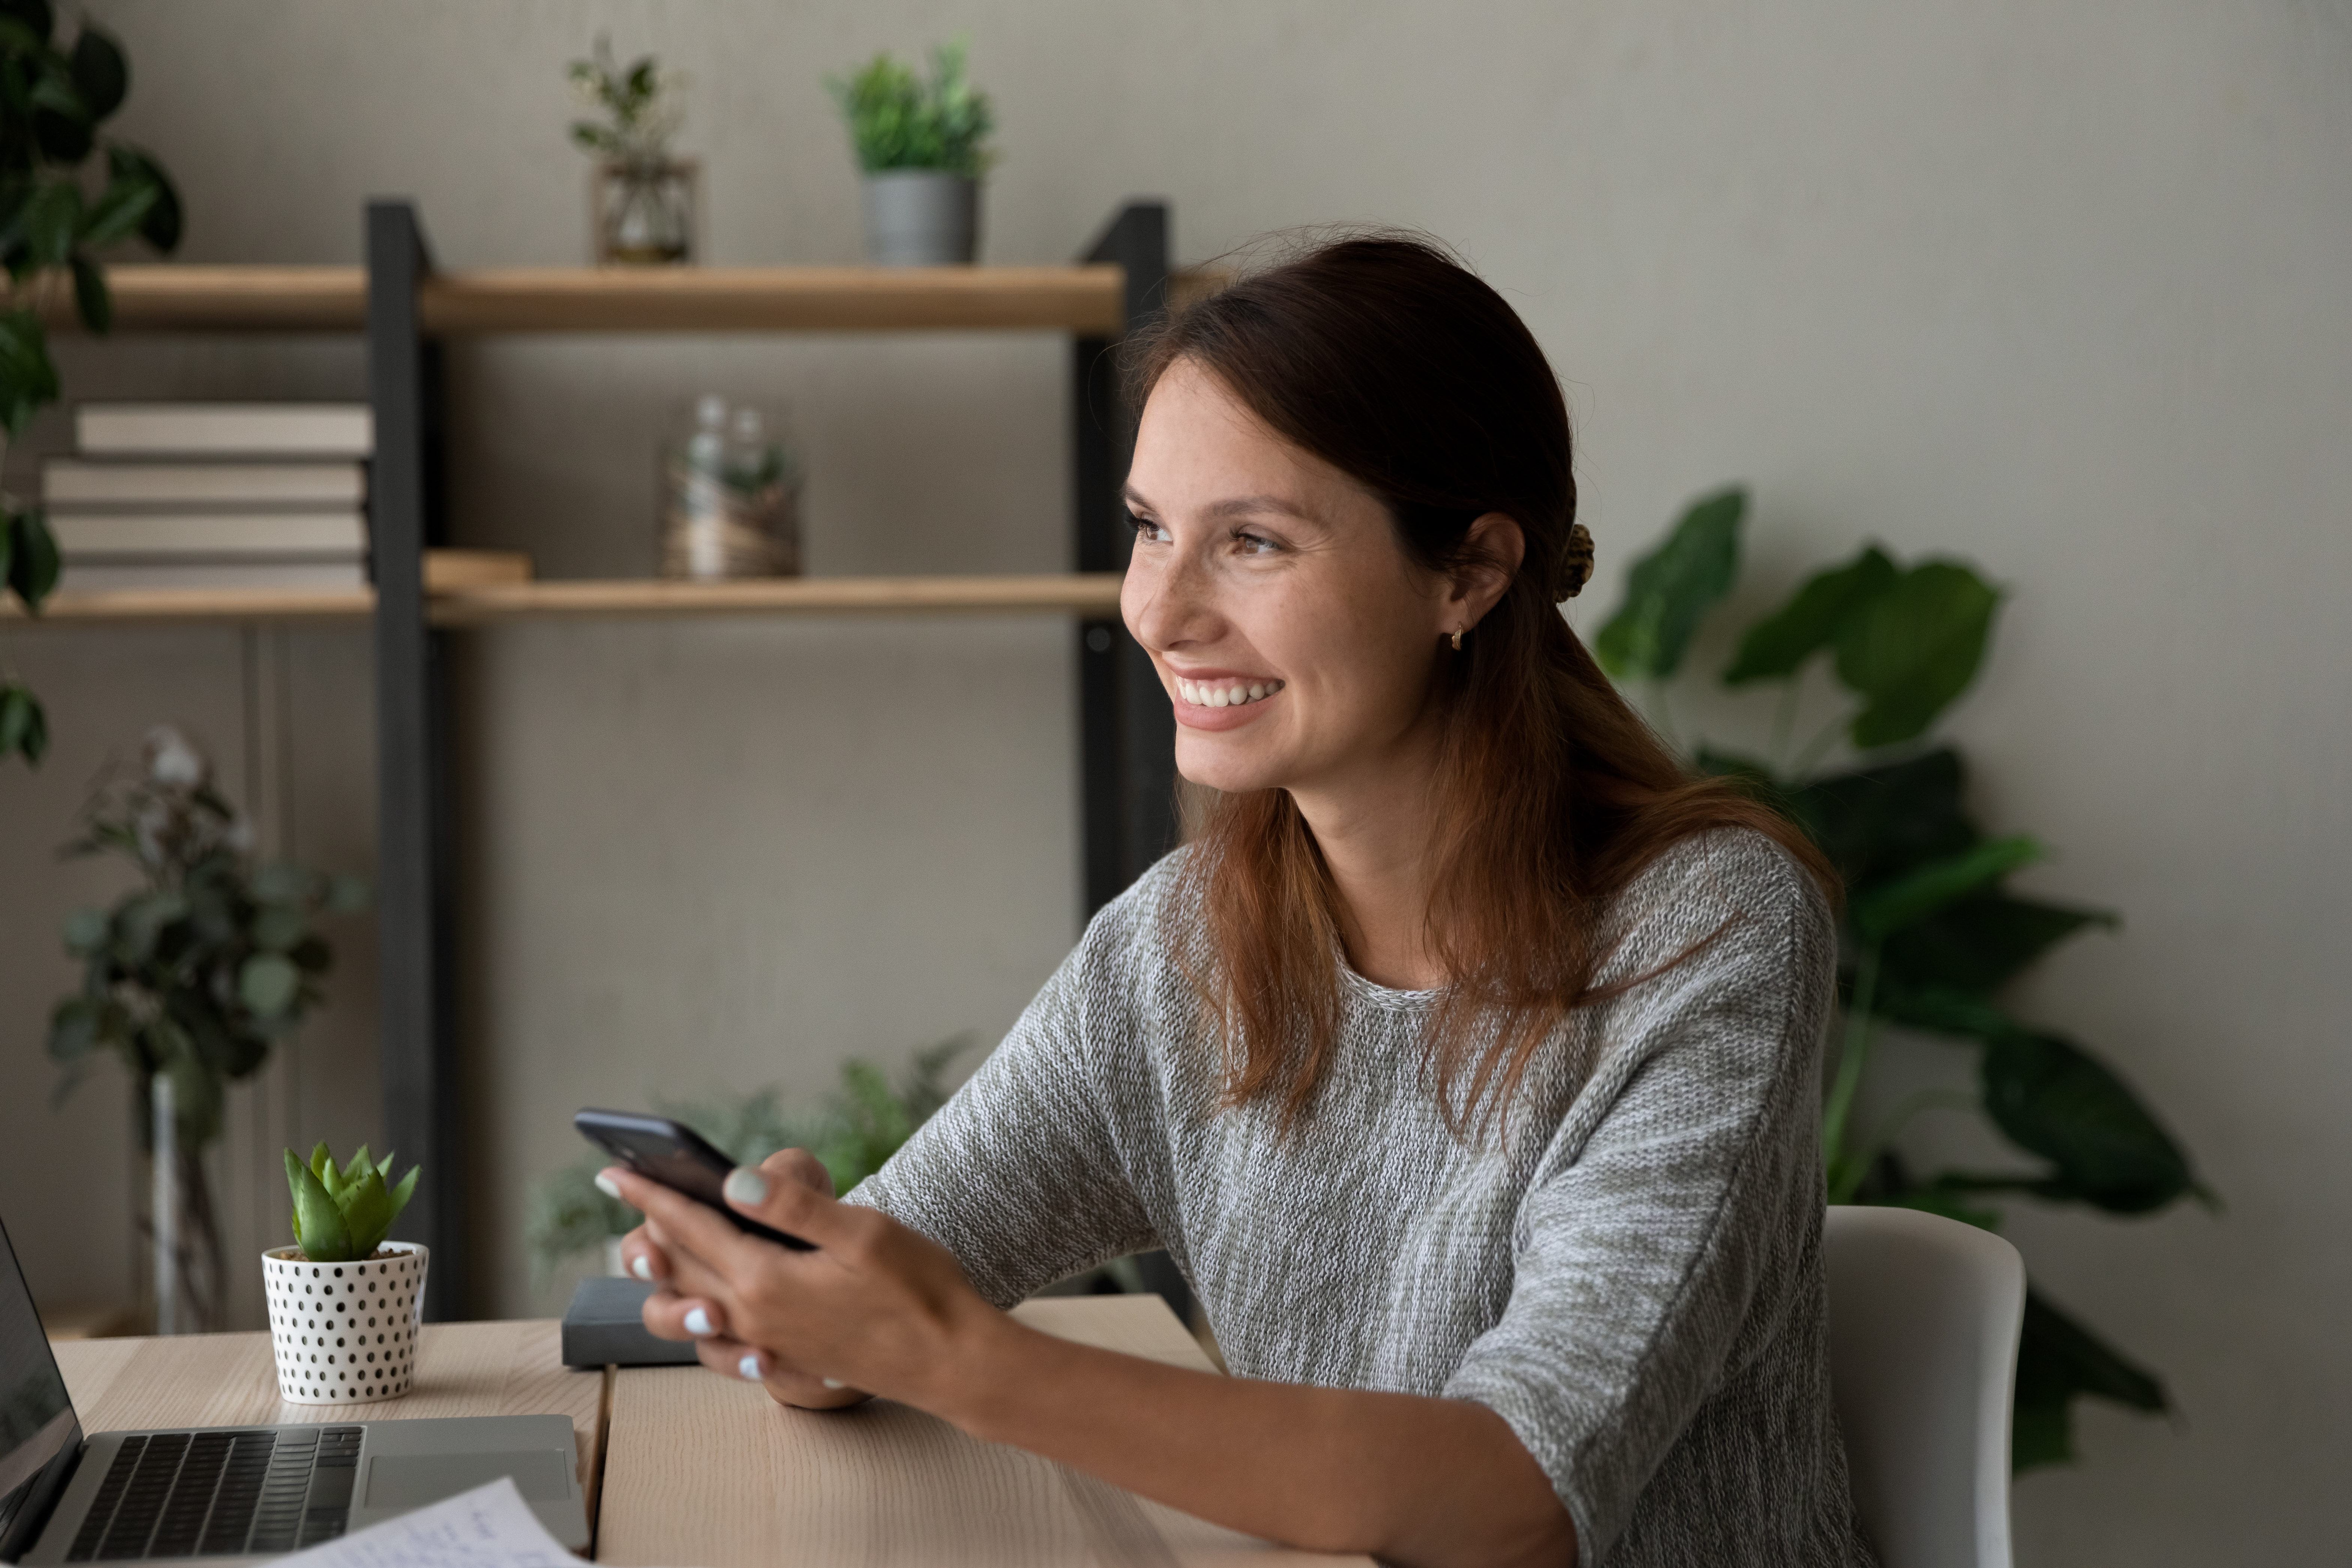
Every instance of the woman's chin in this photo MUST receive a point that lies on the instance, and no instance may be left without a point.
(1222, 760)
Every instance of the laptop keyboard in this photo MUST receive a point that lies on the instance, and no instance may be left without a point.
(220, 1494)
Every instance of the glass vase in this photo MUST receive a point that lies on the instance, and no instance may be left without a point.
(644, 214)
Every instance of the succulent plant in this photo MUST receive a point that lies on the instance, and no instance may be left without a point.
(342, 1214)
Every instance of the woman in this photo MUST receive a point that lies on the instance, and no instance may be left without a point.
(1465, 1060)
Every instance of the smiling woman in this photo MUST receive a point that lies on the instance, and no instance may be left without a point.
(1465, 1061)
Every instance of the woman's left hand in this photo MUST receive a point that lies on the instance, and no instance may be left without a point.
(875, 1308)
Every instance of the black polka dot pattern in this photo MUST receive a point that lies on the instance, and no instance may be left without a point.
(345, 1333)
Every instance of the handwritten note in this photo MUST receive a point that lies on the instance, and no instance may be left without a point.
(490, 1527)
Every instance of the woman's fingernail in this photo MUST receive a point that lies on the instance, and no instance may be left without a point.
(745, 1185)
(698, 1323)
(642, 1267)
(750, 1367)
(607, 1186)
(834, 1382)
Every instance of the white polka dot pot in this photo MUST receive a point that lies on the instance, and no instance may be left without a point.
(345, 1333)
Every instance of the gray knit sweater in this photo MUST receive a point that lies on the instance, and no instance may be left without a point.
(1631, 1276)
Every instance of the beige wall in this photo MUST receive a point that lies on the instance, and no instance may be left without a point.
(2061, 289)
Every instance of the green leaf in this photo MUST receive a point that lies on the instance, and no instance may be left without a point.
(383, 1167)
(1776, 645)
(90, 296)
(1878, 823)
(160, 226)
(1887, 907)
(34, 563)
(2058, 1361)
(401, 1194)
(1914, 648)
(270, 984)
(1942, 1010)
(51, 219)
(2052, 1099)
(100, 75)
(358, 1162)
(24, 728)
(28, 381)
(118, 211)
(275, 929)
(1671, 588)
(74, 1029)
(319, 1228)
(1983, 942)
(322, 1160)
(367, 1212)
(61, 130)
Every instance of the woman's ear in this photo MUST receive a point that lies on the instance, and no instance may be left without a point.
(1494, 547)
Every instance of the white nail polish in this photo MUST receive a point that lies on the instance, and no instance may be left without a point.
(750, 1367)
(640, 1268)
(834, 1383)
(745, 1185)
(607, 1186)
(697, 1323)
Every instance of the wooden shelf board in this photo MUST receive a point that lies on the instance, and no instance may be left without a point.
(607, 300)
(582, 599)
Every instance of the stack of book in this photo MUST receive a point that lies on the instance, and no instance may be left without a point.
(212, 495)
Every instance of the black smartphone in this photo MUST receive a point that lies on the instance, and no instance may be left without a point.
(679, 1158)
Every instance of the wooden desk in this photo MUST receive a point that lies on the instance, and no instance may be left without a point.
(230, 1380)
(704, 1471)
(698, 1471)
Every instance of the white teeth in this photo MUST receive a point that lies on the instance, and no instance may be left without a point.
(1201, 694)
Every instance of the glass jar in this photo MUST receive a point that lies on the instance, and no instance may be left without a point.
(644, 214)
(731, 498)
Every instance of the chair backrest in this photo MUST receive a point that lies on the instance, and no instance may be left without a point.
(1924, 1316)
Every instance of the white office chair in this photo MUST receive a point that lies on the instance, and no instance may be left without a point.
(1924, 1315)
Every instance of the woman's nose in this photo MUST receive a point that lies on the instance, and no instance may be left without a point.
(1165, 599)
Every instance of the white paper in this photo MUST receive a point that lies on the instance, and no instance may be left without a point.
(490, 1527)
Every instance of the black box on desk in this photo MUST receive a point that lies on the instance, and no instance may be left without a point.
(602, 1328)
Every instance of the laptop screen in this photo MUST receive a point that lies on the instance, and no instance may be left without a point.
(37, 1419)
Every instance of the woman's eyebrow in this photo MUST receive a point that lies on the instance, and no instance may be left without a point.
(1234, 506)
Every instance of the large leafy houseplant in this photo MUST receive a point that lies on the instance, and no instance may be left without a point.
(190, 978)
(1931, 934)
(59, 206)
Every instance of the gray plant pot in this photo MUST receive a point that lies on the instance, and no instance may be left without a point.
(922, 217)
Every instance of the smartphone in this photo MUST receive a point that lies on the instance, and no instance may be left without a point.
(679, 1158)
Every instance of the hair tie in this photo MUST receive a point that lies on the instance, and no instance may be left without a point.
(1575, 563)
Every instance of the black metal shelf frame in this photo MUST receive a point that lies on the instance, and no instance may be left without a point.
(1126, 731)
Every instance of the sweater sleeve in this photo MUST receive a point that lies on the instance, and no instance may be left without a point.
(1019, 1174)
(1677, 1199)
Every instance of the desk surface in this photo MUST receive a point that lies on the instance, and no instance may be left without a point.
(700, 1471)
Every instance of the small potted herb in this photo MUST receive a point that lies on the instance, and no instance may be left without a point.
(922, 147)
(641, 199)
(344, 1302)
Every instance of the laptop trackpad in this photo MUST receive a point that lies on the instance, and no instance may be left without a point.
(398, 1482)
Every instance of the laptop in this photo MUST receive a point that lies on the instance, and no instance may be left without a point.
(237, 1494)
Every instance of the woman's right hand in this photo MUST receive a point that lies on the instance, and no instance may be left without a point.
(670, 1316)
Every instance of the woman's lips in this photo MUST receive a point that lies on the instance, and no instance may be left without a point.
(1221, 701)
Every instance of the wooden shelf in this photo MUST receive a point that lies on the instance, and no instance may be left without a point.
(1091, 593)
(618, 300)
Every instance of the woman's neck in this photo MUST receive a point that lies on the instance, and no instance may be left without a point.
(1378, 838)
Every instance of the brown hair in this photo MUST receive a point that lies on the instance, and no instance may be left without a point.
(1386, 358)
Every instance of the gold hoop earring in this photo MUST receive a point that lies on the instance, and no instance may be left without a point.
(1457, 640)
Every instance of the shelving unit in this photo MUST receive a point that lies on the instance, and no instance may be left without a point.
(405, 308)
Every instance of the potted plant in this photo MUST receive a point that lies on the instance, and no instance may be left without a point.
(919, 144)
(53, 217)
(344, 1303)
(190, 978)
(641, 200)
(1931, 934)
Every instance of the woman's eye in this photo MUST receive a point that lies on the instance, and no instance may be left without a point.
(1147, 531)
(1254, 544)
